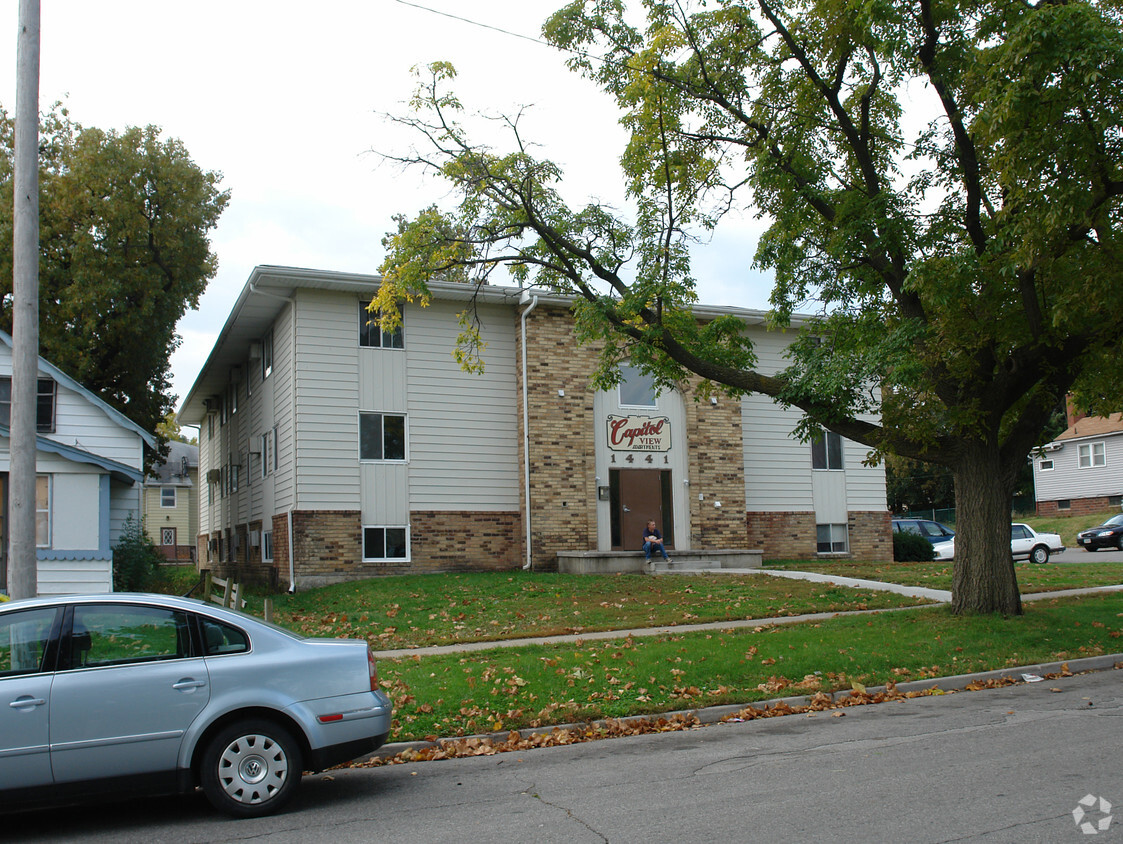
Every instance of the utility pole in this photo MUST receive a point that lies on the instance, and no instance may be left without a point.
(23, 576)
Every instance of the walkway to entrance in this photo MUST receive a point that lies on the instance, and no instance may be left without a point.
(683, 561)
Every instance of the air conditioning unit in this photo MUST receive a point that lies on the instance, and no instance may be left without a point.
(214, 476)
(255, 539)
(255, 351)
(211, 404)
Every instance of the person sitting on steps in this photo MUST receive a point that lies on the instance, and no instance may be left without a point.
(653, 540)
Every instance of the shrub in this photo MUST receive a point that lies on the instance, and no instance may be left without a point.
(912, 548)
(135, 559)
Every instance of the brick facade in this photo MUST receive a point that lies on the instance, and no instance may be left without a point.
(715, 458)
(782, 535)
(1079, 506)
(871, 535)
(562, 434)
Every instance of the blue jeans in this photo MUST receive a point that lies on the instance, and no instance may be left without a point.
(649, 547)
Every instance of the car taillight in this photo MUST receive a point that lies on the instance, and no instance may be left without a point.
(373, 671)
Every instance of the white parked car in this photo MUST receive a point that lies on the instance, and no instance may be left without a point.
(1025, 544)
(1028, 544)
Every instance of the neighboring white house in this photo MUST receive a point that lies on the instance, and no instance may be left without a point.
(1081, 471)
(89, 468)
(370, 453)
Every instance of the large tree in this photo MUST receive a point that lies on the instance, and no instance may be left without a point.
(941, 182)
(124, 252)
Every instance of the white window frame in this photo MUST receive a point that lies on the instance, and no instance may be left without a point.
(266, 453)
(628, 372)
(384, 559)
(1046, 465)
(267, 546)
(834, 530)
(43, 513)
(385, 338)
(164, 490)
(405, 435)
(1091, 455)
(827, 438)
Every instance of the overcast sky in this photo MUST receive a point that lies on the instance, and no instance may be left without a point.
(286, 99)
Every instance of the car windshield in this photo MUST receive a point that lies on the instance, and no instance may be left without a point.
(1115, 520)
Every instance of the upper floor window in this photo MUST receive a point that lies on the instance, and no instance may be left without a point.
(826, 451)
(637, 388)
(267, 456)
(266, 355)
(42, 511)
(371, 334)
(382, 436)
(1046, 465)
(1091, 454)
(44, 404)
(167, 496)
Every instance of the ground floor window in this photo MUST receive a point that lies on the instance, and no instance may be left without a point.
(831, 539)
(385, 543)
(267, 546)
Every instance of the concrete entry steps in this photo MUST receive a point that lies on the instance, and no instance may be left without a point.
(682, 560)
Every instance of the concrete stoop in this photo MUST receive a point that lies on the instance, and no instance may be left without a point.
(683, 561)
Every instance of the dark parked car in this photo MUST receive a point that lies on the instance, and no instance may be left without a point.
(1107, 535)
(939, 535)
(120, 694)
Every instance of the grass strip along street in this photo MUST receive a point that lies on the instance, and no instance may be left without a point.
(464, 694)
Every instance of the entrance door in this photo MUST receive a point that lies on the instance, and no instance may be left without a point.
(637, 497)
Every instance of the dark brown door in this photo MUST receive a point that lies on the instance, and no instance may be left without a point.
(639, 496)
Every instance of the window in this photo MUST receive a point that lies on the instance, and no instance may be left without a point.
(167, 536)
(830, 539)
(23, 640)
(167, 496)
(1046, 465)
(44, 404)
(826, 451)
(222, 638)
(372, 336)
(1115, 500)
(385, 543)
(1091, 454)
(637, 389)
(266, 453)
(267, 546)
(42, 511)
(232, 472)
(382, 436)
(118, 634)
(266, 355)
(1064, 504)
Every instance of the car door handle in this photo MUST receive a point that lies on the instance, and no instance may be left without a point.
(27, 702)
(189, 683)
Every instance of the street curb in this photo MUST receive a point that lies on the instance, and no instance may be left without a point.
(710, 715)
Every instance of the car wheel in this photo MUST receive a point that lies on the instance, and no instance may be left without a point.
(251, 768)
(1091, 548)
(1039, 555)
(1119, 542)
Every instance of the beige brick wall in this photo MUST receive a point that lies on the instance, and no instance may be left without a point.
(716, 469)
(562, 433)
(782, 536)
(871, 535)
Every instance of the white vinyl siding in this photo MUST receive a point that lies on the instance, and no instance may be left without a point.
(463, 428)
(327, 398)
(777, 465)
(1067, 480)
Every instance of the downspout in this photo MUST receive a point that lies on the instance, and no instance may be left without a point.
(526, 432)
(292, 425)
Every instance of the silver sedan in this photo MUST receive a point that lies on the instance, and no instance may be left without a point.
(105, 694)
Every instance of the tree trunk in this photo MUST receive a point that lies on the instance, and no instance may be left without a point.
(984, 579)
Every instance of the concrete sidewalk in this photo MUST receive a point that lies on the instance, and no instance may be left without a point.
(939, 595)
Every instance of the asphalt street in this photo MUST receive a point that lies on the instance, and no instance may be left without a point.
(1003, 765)
(1079, 555)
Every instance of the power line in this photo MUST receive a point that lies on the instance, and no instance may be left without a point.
(471, 22)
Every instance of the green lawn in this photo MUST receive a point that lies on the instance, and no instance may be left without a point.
(499, 689)
(506, 688)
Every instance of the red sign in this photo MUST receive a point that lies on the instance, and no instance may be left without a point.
(639, 433)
